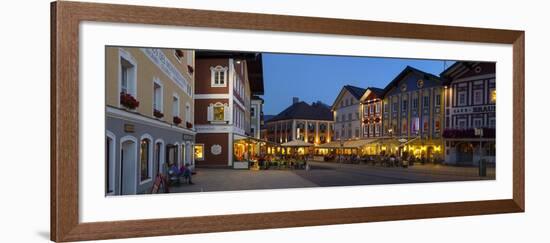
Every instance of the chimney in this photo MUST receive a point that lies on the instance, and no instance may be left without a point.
(295, 100)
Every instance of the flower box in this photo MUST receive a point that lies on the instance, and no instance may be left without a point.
(179, 53)
(176, 120)
(157, 113)
(128, 101)
(189, 125)
(190, 69)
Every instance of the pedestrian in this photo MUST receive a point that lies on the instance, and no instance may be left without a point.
(187, 174)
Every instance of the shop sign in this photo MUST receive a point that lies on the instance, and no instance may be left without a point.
(129, 128)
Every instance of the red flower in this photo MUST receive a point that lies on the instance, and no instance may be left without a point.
(179, 53)
(176, 120)
(128, 101)
(157, 113)
(189, 124)
(190, 69)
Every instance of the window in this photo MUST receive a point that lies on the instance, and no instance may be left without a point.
(394, 106)
(478, 97)
(415, 125)
(183, 154)
(415, 103)
(426, 102)
(385, 107)
(252, 131)
(462, 123)
(357, 115)
(218, 76)
(349, 117)
(404, 105)
(187, 112)
(157, 95)
(127, 75)
(343, 117)
(109, 164)
(372, 108)
(199, 152)
(145, 169)
(252, 111)
(438, 100)
(462, 98)
(175, 106)
(356, 132)
(492, 122)
(377, 105)
(478, 122)
(377, 129)
(218, 112)
(493, 96)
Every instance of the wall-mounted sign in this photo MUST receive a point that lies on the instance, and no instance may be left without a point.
(216, 149)
(474, 109)
(187, 137)
(129, 128)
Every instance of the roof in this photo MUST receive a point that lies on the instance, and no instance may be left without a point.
(303, 110)
(296, 143)
(355, 91)
(378, 93)
(405, 72)
(253, 61)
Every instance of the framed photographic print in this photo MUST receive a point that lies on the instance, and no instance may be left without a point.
(175, 121)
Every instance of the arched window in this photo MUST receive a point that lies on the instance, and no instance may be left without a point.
(145, 160)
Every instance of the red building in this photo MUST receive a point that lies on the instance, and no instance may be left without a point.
(225, 84)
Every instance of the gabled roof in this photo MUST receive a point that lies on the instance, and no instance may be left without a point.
(378, 92)
(303, 110)
(405, 72)
(355, 91)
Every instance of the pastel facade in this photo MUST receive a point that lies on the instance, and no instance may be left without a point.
(470, 104)
(347, 112)
(413, 112)
(149, 115)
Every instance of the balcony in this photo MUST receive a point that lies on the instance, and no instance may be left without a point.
(468, 133)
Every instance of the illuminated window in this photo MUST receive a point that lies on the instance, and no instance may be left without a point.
(218, 113)
(199, 151)
(478, 97)
(493, 96)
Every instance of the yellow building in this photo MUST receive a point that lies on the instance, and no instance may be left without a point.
(149, 115)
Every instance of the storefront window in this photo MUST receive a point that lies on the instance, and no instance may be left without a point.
(199, 151)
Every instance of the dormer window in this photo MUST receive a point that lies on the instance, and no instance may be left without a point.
(218, 76)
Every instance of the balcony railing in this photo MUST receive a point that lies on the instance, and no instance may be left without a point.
(468, 133)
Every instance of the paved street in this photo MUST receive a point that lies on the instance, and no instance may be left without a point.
(325, 174)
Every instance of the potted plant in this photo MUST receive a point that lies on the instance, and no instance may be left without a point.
(189, 125)
(128, 101)
(157, 113)
(176, 120)
(190, 69)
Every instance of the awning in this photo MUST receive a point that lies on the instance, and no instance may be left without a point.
(334, 144)
(296, 143)
(359, 143)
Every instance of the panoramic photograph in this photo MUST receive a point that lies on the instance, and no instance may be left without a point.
(184, 121)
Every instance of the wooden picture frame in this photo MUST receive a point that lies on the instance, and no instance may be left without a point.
(65, 19)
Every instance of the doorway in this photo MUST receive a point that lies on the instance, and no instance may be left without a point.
(128, 172)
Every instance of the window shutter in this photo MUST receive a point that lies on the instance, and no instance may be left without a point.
(226, 113)
(210, 115)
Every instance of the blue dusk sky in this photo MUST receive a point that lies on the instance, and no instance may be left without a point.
(320, 78)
